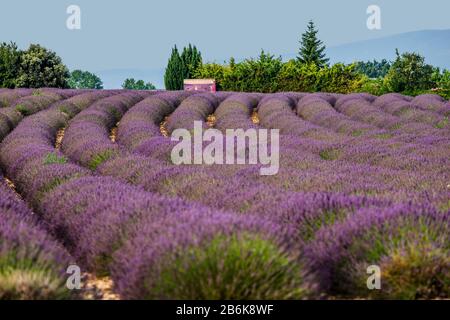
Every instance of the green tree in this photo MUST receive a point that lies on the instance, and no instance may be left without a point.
(444, 81)
(409, 74)
(374, 69)
(175, 71)
(132, 84)
(298, 77)
(84, 80)
(219, 72)
(192, 60)
(40, 67)
(9, 64)
(255, 75)
(312, 50)
(340, 78)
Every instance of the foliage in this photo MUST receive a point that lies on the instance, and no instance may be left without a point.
(240, 262)
(374, 69)
(132, 84)
(255, 75)
(312, 50)
(409, 73)
(268, 74)
(443, 84)
(215, 71)
(373, 86)
(192, 60)
(84, 80)
(174, 75)
(40, 67)
(9, 64)
(339, 78)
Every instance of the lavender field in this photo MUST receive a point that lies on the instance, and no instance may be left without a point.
(87, 180)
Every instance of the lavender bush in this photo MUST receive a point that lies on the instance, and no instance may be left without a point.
(362, 180)
(32, 264)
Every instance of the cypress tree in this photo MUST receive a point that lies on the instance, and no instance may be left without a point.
(312, 49)
(175, 71)
(192, 60)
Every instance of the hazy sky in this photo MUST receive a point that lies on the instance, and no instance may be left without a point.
(139, 34)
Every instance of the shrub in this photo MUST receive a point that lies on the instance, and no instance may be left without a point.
(230, 268)
(409, 242)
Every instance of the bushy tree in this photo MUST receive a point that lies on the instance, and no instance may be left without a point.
(270, 74)
(9, 64)
(255, 75)
(312, 50)
(175, 71)
(444, 81)
(84, 80)
(219, 72)
(192, 60)
(132, 84)
(40, 67)
(443, 84)
(340, 78)
(298, 77)
(409, 73)
(374, 69)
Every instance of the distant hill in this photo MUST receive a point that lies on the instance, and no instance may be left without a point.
(433, 44)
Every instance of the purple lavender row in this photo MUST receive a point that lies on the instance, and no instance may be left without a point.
(409, 243)
(432, 102)
(127, 250)
(30, 132)
(311, 215)
(359, 150)
(195, 183)
(396, 105)
(86, 140)
(277, 113)
(9, 96)
(142, 121)
(94, 216)
(320, 175)
(32, 264)
(42, 98)
(235, 112)
(149, 243)
(365, 178)
(320, 112)
(364, 111)
(194, 108)
(362, 150)
(402, 130)
(39, 100)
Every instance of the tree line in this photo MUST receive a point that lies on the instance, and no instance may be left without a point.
(39, 67)
(310, 72)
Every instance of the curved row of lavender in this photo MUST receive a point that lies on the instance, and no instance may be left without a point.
(32, 264)
(107, 224)
(374, 163)
(324, 136)
(151, 225)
